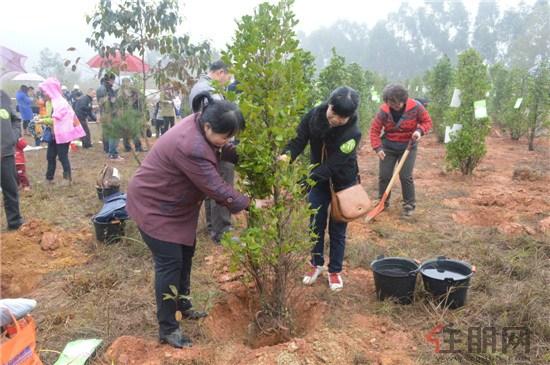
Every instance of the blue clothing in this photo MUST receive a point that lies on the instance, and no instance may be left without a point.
(25, 105)
(319, 198)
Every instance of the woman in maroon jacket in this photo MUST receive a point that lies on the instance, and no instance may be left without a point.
(399, 120)
(165, 196)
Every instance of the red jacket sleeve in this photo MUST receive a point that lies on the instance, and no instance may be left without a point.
(375, 131)
(21, 143)
(424, 121)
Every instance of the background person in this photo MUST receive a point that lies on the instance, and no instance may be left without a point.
(218, 218)
(399, 120)
(9, 130)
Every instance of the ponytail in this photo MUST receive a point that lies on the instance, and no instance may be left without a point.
(200, 101)
(223, 116)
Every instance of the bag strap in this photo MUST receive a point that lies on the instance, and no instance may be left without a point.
(323, 159)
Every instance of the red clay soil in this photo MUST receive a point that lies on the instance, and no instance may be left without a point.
(368, 339)
(509, 190)
(36, 249)
(500, 194)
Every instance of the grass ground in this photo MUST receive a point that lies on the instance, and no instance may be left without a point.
(88, 289)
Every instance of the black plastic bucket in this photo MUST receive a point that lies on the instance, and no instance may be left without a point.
(103, 193)
(110, 232)
(395, 277)
(447, 280)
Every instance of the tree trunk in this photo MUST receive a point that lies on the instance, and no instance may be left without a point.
(532, 138)
(144, 106)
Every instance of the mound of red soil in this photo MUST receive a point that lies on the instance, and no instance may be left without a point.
(36, 249)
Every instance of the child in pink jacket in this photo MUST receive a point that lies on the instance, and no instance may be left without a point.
(65, 127)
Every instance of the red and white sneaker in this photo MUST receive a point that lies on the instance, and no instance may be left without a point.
(335, 281)
(312, 275)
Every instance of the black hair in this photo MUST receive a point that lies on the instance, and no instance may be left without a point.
(223, 116)
(344, 101)
(218, 65)
(24, 88)
(395, 93)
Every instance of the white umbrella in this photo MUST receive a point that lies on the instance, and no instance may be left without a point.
(28, 77)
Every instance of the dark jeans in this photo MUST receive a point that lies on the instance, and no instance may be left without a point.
(319, 198)
(386, 167)
(159, 127)
(168, 123)
(218, 217)
(128, 146)
(87, 139)
(172, 267)
(26, 124)
(10, 191)
(60, 151)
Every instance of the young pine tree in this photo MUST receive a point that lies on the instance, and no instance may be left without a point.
(467, 149)
(538, 99)
(440, 81)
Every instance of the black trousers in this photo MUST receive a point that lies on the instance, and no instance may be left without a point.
(172, 267)
(218, 217)
(87, 139)
(168, 123)
(386, 167)
(60, 151)
(10, 191)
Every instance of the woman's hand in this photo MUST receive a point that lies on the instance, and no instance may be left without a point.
(416, 136)
(381, 154)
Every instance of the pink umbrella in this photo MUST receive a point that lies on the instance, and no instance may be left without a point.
(130, 63)
(11, 61)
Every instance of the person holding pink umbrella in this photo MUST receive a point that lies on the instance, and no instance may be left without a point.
(65, 127)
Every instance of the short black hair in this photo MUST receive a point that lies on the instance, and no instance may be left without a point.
(24, 88)
(218, 65)
(395, 93)
(344, 101)
(223, 116)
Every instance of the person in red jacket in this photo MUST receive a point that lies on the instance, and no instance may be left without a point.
(22, 179)
(399, 120)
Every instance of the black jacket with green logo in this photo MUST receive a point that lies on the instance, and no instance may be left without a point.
(341, 146)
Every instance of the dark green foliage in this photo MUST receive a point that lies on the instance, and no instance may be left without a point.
(276, 90)
(439, 82)
(468, 148)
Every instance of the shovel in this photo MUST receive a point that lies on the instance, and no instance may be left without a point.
(380, 206)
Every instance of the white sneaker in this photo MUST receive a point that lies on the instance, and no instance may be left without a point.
(335, 281)
(312, 275)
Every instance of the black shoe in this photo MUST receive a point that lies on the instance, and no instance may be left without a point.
(176, 339)
(15, 227)
(193, 314)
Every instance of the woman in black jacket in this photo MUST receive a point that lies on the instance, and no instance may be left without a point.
(332, 127)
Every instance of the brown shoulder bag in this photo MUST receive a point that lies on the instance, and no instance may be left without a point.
(350, 203)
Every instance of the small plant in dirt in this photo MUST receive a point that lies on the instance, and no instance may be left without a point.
(268, 63)
(440, 81)
(538, 99)
(466, 150)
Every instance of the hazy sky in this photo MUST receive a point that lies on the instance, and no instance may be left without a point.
(29, 26)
